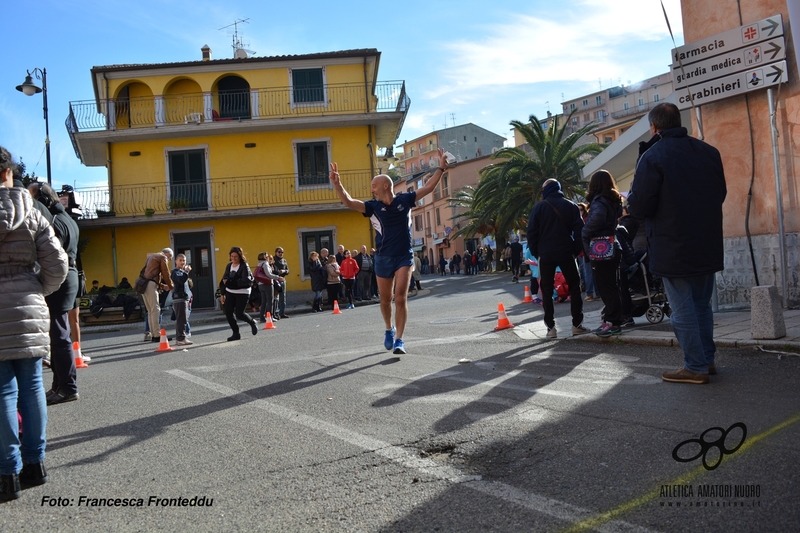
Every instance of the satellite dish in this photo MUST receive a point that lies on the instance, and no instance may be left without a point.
(240, 53)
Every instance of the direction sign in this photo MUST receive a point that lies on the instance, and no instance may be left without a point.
(735, 84)
(729, 63)
(721, 43)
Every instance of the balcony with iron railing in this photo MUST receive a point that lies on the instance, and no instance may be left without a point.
(219, 106)
(634, 110)
(429, 148)
(220, 194)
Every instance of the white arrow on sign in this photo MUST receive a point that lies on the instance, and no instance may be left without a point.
(735, 84)
(721, 43)
(730, 63)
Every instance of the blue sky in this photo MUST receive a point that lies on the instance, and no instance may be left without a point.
(473, 61)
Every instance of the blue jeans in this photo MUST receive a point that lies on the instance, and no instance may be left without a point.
(21, 387)
(693, 320)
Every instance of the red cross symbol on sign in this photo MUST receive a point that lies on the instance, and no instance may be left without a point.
(750, 33)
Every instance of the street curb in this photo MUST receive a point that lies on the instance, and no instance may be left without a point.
(673, 342)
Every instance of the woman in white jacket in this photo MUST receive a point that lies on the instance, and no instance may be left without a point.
(26, 238)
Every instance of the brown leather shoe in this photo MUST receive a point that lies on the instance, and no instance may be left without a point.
(685, 376)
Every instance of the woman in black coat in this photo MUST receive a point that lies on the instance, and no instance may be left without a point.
(318, 280)
(235, 291)
(605, 208)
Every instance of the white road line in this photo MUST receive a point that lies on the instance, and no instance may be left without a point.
(540, 504)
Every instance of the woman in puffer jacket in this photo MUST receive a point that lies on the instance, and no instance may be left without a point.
(25, 239)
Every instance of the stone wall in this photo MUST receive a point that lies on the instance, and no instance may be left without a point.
(734, 283)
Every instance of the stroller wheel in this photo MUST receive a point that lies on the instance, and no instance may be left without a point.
(654, 314)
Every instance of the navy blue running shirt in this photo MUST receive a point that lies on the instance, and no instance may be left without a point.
(392, 223)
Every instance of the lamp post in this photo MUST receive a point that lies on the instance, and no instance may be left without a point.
(29, 88)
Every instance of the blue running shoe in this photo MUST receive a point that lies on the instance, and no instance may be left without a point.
(388, 340)
(399, 346)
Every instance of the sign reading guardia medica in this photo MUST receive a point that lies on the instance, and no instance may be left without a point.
(730, 63)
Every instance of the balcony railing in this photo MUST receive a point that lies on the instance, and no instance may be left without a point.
(250, 192)
(633, 110)
(216, 106)
(429, 148)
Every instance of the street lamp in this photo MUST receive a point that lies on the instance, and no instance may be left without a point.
(29, 88)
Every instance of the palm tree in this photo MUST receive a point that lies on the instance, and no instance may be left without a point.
(471, 222)
(511, 185)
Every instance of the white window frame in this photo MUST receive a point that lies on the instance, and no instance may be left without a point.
(323, 103)
(204, 148)
(295, 142)
(300, 232)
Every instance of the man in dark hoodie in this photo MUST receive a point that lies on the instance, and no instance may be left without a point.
(554, 237)
(676, 175)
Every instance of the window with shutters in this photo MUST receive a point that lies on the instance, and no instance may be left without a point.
(311, 159)
(308, 87)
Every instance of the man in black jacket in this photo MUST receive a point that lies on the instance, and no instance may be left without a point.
(282, 270)
(678, 175)
(62, 360)
(554, 237)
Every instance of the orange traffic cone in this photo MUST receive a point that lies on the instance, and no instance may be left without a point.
(269, 324)
(79, 362)
(502, 319)
(528, 299)
(164, 344)
(336, 310)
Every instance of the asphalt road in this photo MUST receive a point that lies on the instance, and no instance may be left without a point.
(315, 427)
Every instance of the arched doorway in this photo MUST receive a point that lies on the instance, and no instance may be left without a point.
(234, 98)
(134, 106)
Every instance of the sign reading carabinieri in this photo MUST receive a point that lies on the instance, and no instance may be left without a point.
(733, 62)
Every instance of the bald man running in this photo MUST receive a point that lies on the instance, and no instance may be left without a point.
(390, 215)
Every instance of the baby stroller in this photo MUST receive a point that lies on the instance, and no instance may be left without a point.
(648, 297)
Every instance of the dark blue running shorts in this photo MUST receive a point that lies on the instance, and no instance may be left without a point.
(387, 265)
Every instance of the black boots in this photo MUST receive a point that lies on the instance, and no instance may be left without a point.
(33, 475)
(9, 487)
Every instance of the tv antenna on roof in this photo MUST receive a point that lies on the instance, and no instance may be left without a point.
(239, 50)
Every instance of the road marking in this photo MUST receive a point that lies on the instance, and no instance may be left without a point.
(540, 504)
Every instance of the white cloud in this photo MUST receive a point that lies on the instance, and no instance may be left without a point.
(595, 43)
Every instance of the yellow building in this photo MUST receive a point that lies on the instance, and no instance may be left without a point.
(205, 155)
